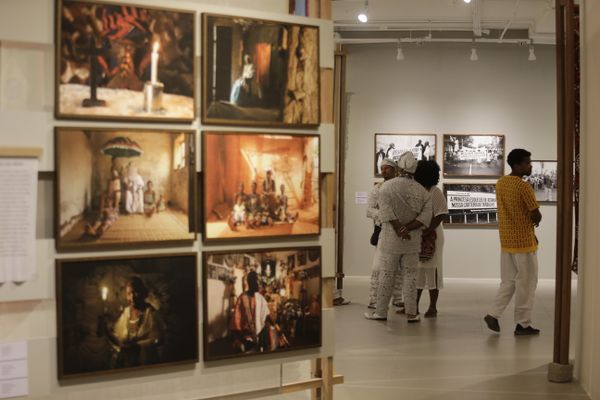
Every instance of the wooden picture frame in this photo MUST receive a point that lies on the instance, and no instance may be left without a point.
(144, 69)
(123, 187)
(95, 297)
(471, 204)
(543, 180)
(231, 160)
(290, 293)
(246, 67)
(393, 145)
(474, 156)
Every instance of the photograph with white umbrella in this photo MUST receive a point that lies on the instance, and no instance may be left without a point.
(123, 186)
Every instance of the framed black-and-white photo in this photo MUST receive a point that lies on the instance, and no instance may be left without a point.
(474, 156)
(393, 145)
(543, 180)
(471, 204)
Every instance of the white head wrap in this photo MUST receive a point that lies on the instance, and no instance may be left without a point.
(408, 162)
(389, 162)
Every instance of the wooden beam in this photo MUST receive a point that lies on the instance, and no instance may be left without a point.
(327, 95)
(565, 65)
(21, 152)
(326, 9)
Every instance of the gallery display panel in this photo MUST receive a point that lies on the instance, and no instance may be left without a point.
(126, 313)
(393, 145)
(260, 185)
(259, 73)
(261, 301)
(117, 61)
(471, 204)
(122, 187)
(473, 156)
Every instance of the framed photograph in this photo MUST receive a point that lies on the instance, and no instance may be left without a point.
(271, 305)
(471, 204)
(392, 145)
(474, 156)
(124, 62)
(126, 313)
(543, 180)
(260, 185)
(123, 187)
(259, 73)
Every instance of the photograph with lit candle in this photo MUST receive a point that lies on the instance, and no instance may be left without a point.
(260, 185)
(124, 62)
(123, 187)
(258, 72)
(261, 301)
(124, 313)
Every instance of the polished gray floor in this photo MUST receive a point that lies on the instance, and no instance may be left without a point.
(453, 356)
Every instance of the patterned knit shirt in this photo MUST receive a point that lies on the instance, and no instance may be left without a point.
(516, 200)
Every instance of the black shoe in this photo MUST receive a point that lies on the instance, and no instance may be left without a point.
(530, 330)
(492, 323)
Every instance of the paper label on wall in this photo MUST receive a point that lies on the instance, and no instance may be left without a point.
(14, 388)
(13, 351)
(361, 195)
(14, 371)
(18, 206)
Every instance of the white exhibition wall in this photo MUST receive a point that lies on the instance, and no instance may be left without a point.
(438, 90)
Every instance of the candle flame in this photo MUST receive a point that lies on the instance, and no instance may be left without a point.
(104, 293)
(155, 47)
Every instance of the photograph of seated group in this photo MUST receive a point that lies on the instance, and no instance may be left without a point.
(124, 62)
(260, 185)
(260, 73)
(120, 187)
(261, 301)
(124, 313)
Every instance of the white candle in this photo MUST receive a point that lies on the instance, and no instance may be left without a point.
(154, 63)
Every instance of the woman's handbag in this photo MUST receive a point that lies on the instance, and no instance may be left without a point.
(375, 235)
(427, 246)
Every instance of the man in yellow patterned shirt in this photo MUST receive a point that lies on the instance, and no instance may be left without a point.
(518, 215)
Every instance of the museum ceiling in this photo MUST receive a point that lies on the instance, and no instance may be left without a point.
(420, 21)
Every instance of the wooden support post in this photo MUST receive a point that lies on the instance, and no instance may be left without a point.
(560, 370)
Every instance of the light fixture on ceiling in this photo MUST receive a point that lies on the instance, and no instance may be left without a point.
(399, 53)
(532, 56)
(363, 16)
(474, 56)
(467, 1)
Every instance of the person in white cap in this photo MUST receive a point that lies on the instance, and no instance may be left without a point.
(389, 170)
(404, 209)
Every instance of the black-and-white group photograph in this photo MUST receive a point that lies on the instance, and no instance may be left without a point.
(392, 145)
(543, 180)
(474, 155)
(471, 204)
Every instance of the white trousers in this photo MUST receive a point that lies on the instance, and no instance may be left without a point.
(391, 265)
(374, 286)
(519, 275)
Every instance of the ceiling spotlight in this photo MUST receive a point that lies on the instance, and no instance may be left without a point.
(399, 54)
(363, 16)
(474, 56)
(467, 1)
(532, 56)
